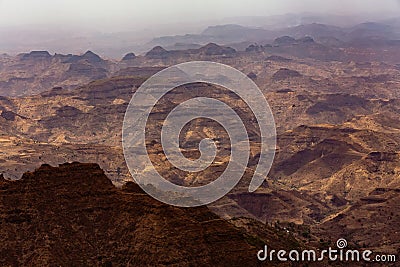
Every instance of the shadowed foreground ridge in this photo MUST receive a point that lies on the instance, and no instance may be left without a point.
(72, 214)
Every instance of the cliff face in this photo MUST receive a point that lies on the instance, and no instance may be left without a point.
(73, 215)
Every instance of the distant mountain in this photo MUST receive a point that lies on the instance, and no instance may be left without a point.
(208, 50)
(222, 34)
(119, 42)
(330, 34)
(338, 135)
(314, 30)
(373, 30)
(394, 22)
(237, 33)
(212, 49)
(36, 55)
(129, 56)
(293, 19)
(42, 71)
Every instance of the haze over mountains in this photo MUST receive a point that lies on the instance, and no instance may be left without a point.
(230, 31)
(235, 35)
(336, 110)
(333, 84)
(364, 42)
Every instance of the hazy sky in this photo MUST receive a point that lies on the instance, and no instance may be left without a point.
(114, 27)
(131, 14)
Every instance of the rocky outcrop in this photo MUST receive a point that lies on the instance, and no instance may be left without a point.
(257, 48)
(38, 71)
(284, 74)
(68, 112)
(384, 156)
(252, 75)
(8, 115)
(157, 53)
(254, 48)
(129, 56)
(36, 55)
(91, 57)
(213, 49)
(337, 102)
(88, 57)
(284, 40)
(73, 215)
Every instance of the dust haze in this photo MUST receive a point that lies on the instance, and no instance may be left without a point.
(115, 27)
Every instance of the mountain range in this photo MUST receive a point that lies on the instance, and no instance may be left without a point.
(334, 93)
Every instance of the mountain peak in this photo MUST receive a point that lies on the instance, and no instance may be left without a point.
(36, 55)
(92, 57)
(129, 56)
(214, 49)
(157, 52)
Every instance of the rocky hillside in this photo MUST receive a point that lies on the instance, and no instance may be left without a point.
(73, 215)
(337, 160)
(38, 71)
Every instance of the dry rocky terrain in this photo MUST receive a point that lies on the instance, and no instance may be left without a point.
(336, 170)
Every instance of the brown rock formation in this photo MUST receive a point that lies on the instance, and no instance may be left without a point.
(73, 215)
(129, 56)
(285, 73)
(157, 53)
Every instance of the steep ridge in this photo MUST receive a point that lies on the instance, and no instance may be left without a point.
(73, 215)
